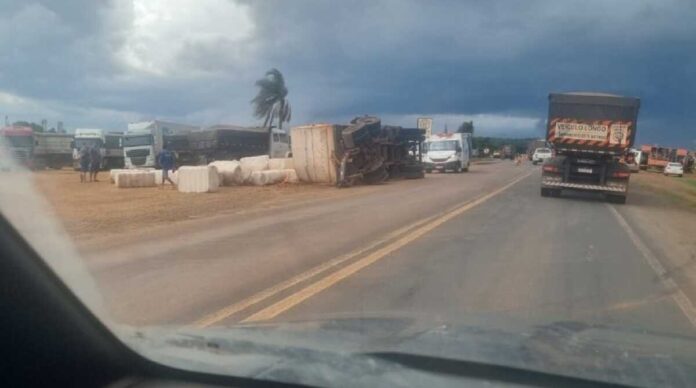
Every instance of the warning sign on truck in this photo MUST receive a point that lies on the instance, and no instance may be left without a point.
(597, 133)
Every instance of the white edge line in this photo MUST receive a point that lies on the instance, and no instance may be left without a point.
(679, 297)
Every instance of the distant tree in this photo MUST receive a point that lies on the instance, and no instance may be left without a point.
(35, 127)
(466, 127)
(271, 103)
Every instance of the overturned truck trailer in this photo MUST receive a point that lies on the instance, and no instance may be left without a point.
(363, 151)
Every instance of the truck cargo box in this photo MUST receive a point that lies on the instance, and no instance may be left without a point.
(592, 122)
(315, 149)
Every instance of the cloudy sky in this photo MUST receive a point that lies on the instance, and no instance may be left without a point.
(105, 63)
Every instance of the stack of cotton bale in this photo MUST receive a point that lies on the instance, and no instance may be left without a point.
(198, 179)
(158, 176)
(281, 164)
(229, 171)
(135, 178)
(272, 177)
(251, 164)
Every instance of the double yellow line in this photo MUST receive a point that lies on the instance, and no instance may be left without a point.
(403, 237)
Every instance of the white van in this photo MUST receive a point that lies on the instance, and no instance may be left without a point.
(447, 151)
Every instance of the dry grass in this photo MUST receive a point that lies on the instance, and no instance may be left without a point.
(99, 208)
(680, 191)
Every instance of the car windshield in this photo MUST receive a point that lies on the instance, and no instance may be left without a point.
(137, 140)
(311, 191)
(80, 143)
(447, 145)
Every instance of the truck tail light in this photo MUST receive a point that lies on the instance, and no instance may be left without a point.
(621, 174)
(550, 168)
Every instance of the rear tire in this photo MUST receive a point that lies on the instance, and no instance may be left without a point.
(459, 169)
(429, 171)
(545, 192)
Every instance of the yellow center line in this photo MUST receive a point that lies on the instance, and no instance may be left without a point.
(300, 296)
(228, 311)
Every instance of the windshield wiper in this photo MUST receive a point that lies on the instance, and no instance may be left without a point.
(479, 370)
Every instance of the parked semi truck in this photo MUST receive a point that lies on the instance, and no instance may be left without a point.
(143, 141)
(227, 142)
(590, 132)
(109, 145)
(38, 150)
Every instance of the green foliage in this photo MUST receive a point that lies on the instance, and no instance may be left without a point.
(466, 127)
(495, 143)
(35, 127)
(270, 103)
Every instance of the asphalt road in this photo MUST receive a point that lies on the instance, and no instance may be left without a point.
(445, 247)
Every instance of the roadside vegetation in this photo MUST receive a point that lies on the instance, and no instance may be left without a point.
(680, 191)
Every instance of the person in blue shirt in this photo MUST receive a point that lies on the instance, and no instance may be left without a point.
(167, 160)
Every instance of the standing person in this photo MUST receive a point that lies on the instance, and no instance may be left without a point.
(166, 161)
(95, 163)
(84, 158)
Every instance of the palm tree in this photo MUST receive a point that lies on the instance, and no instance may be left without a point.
(270, 103)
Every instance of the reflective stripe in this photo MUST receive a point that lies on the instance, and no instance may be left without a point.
(582, 186)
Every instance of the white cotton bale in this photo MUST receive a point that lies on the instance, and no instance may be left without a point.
(251, 164)
(230, 172)
(271, 177)
(281, 164)
(198, 179)
(137, 178)
(116, 171)
(291, 176)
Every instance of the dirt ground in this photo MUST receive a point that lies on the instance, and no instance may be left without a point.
(98, 209)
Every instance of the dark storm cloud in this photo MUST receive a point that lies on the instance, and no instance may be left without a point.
(394, 58)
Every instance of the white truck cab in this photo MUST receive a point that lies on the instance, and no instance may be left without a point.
(447, 151)
(144, 140)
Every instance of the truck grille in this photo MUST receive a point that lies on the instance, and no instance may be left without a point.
(137, 153)
(138, 161)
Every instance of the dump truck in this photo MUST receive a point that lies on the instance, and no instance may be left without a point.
(108, 143)
(38, 150)
(657, 157)
(590, 133)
